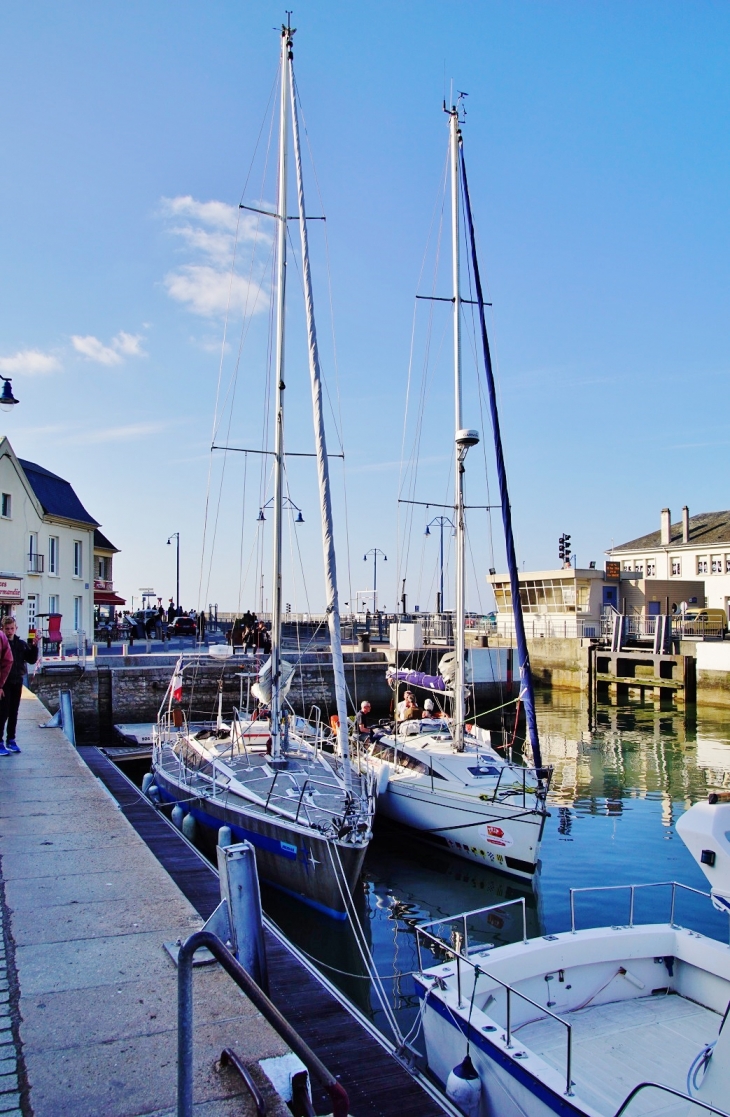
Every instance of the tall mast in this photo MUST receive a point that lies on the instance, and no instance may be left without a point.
(460, 605)
(276, 598)
(325, 496)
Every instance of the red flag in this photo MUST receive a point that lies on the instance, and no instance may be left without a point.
(177, 682)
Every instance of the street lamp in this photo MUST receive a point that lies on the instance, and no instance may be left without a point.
(7, 399)
(176, 537)
(441, 522)
(375, 551)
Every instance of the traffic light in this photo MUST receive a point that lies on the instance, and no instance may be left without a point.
(564, 548)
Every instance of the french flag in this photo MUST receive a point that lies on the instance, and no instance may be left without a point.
(177, 681)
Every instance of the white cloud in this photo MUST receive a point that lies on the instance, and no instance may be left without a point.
(31, 362)
(209, 231)
(123, 345)
(129, 433)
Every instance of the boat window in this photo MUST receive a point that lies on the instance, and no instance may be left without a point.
(403, 760)
(383, 750)
(484, 770)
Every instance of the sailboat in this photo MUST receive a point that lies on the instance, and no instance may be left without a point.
(440, 776)
(308, 815)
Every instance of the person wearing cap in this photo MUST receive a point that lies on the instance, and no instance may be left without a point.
(428, 708)
(21, 654)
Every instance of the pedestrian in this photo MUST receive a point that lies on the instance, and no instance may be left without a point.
(21, 653)
(171, 612)
(363, 723)
(201, 625)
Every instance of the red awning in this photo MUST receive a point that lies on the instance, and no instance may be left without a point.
(101, 598)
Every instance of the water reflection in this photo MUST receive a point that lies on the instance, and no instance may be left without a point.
(621, 781)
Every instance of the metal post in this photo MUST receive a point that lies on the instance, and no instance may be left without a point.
(524, 920)
(441, 567)
(631, 907)
(509, 1016)
(572, 911)
(185, 1034)
(671, 912)
(239, 884)
(569, 1061)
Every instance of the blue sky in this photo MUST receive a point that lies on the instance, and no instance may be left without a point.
(596, 143)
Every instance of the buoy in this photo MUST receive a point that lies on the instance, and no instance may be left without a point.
(190, 828)
(464, 1088)
(147, 781)
(225, 837)
(178, 815)
(153, 793)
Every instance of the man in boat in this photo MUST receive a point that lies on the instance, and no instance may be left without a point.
(20, 654)
(363, 723)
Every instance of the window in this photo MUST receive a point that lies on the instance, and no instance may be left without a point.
(650, 568)
(78, 558)
(32, 607)
(676, 566)
(727, 564)
(78, 613)
(638, 567)
(35, 561)
(103, 568)
(702, 565)
(54, 603)
(628, 568)
(6, 506)
(53, 552)
(716, 564)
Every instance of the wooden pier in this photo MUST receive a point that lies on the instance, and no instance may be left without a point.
(376, 1081)
(664, 678)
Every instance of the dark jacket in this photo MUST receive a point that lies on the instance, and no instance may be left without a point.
(22, 654)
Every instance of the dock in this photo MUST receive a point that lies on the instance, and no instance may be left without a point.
(93, 882)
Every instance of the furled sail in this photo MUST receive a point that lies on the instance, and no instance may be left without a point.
(325, 498)
(261, 689)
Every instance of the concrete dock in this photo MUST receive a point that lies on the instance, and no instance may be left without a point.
(88, 995)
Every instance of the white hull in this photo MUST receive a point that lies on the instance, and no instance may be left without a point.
(499, 835)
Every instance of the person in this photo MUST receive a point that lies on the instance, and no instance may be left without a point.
(6, 660)
(21, 653)
(262, 638)
(407, 709)
(428, 708)
(160, 624)
(363, 723)
(201, 625)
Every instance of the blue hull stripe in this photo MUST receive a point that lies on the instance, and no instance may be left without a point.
(271, 845)
(556, 1103)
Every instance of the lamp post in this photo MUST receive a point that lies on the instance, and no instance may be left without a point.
(176, 537)
(7, 399)
(441, 521)
(375, 551)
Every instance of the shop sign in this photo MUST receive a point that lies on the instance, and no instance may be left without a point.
(11, 589)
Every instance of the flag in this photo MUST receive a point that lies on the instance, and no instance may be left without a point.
(176, 686)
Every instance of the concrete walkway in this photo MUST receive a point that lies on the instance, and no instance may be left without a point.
(88, 995)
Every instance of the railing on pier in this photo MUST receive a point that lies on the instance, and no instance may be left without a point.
(638, 626)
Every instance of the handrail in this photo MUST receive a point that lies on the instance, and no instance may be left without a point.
(229, 1057)
(509, 989)
(234, 969)
(673, 884)
(667, 1090)
(464, 915)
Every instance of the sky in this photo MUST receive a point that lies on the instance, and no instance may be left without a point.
(596, 144)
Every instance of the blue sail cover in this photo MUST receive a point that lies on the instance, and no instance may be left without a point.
(417, 678)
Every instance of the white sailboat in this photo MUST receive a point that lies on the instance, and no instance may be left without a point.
(441, 777)
(308, 816)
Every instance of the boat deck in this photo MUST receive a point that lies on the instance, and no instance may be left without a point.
(616, 1046)
(377, 1084)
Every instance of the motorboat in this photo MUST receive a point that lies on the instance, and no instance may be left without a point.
(599, 1021)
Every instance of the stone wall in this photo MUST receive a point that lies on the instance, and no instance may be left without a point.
(107, 695)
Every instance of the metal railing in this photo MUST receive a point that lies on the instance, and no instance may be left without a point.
(234, 969)
(464, 915)
(667, 1090)
(510, 990)
(633, 889)
(639, 626)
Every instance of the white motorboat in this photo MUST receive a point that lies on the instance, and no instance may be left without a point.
(309, 817)
(629, 1018)
(441, 777)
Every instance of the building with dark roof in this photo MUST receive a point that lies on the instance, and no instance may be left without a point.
(694, 548)
(48, 549)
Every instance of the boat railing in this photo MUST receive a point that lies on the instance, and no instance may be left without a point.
(458, 952)
(462, 918)
(667, 1090)
(632, 890)
(541, 776)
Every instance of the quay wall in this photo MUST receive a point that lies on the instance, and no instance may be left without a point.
(105, 694)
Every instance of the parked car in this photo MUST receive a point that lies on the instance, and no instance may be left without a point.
(182, 626)
(705, 622)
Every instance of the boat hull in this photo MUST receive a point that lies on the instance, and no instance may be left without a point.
(504, 838)
(288, 857)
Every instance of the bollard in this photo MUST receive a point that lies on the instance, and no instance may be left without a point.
(240, 889)
(225, 837)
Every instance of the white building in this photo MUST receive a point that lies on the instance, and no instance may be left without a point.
(695, 549)
(46, 547)
(555, 603)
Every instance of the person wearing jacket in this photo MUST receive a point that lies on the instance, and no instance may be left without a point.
(21, 654)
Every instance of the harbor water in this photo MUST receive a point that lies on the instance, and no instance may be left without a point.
(618, 788)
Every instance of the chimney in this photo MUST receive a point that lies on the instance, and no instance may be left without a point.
(685, 524)
(666, 527)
